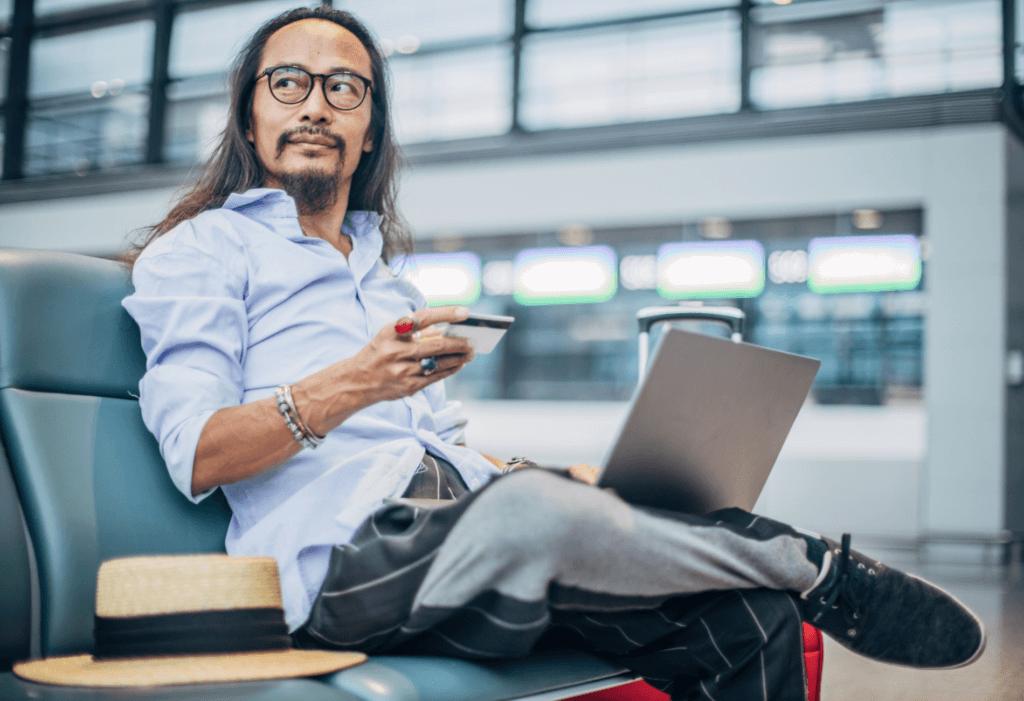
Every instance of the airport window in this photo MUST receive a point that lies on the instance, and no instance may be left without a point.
(452, 95)
(5, 52)
(45, 7)
(547, 13)
(197, 111)
(633, 73)
(477, 68)
(406, 26)
(810, 54)
(203, 44)
(1019, 45)
(90, 111)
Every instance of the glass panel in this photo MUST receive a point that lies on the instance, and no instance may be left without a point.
(452, 95)
(89, 99)
(5, 52)
(633, 73)
(1020, 40)
(937, 46)
(541, 13)
(914, 47)
(100, 62)
(406, 24)
(45, 7)
(205, 42)
(197, 112)
(75, 135)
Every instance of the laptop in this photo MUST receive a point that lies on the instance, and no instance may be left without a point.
(705, 427)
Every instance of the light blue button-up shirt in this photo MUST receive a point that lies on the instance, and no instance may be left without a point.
(237, 301)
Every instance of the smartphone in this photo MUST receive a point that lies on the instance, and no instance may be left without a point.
(485, 330)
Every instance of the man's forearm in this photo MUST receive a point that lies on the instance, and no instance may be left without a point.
(240, 442)
(493, 460)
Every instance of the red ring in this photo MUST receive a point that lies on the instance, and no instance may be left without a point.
(404, 328)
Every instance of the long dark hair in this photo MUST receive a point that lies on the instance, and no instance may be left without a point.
(234, 166)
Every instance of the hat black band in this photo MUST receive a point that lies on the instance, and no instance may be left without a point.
(201, 632)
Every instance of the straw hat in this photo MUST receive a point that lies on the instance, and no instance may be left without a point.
(187, 619)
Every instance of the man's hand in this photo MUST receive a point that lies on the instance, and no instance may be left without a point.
(585, 473)
(389, 365)
(582, 471)
(386, 368)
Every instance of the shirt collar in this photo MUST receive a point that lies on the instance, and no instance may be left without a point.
(261, 203)
(264, 204)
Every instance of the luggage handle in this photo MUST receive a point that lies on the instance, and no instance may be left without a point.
(649, 316)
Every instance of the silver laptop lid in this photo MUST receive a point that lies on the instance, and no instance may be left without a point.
(707, 424)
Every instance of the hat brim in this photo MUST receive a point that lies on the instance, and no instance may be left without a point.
(83, 670)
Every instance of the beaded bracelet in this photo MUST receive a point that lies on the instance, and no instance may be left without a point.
(313, 438)
(285, 411)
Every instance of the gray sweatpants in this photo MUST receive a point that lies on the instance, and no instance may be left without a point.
(702, 607)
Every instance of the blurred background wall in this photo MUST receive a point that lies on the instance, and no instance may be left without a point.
(849, 172)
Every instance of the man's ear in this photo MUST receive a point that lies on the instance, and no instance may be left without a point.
(367, 144)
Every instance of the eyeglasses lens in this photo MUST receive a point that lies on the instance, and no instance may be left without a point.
(292, 85)
(344, 91)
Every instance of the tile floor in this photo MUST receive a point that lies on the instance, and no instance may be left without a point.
(994, 592)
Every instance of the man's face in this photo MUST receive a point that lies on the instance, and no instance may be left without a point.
(311, 137)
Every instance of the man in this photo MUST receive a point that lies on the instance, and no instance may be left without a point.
(289, 367)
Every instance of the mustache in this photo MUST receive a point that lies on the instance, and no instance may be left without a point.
(285, 137)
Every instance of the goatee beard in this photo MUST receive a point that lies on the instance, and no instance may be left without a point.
(313, 190)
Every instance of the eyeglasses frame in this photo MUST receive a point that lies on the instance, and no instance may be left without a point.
(323, 85)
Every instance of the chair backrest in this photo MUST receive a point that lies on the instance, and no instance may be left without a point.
(89, 475)
(15, 575)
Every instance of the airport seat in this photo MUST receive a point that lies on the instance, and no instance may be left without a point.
(15, 577)
(92, 485)
(77, 460)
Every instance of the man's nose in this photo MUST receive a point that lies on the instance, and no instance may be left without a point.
(315, 108)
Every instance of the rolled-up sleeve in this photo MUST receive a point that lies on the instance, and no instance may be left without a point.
(192, 316)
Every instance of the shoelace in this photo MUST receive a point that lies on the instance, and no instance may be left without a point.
(850, 591)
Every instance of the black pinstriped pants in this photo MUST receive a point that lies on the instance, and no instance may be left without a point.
(425, 581)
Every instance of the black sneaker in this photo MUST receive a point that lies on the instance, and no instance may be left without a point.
(890, 616)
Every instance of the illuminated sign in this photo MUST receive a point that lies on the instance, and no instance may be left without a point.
(864, 263)
(715, 269)
(565, 275)
(444, 278)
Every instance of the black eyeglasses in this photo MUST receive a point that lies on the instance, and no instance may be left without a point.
(291, 85)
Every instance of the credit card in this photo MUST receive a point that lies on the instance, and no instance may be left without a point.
(485, 330)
